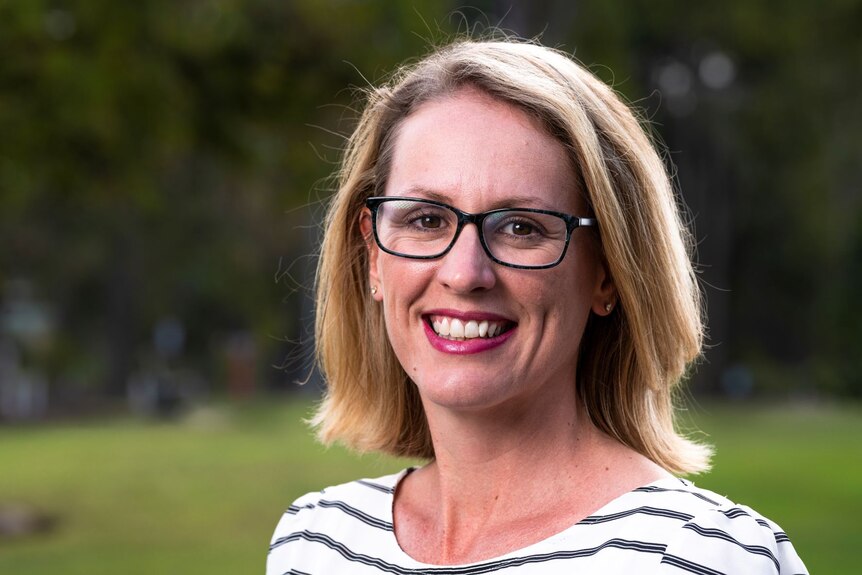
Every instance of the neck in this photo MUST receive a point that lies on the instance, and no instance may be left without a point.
(512, 450)
(510, 433)
(519, 474)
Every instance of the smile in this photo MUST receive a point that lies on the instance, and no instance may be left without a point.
(459, 330)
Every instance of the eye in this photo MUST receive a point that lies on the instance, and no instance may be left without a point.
(428, 221)
(520, 229)
(425, 218)
(413, 214)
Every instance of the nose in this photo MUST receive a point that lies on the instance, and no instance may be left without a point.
(467, 268)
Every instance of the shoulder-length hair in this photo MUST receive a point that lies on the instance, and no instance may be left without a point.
(630, 362)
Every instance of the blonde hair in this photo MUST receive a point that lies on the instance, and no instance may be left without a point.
(630, 363)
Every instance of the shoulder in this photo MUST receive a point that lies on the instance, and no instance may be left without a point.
(364, 500)
(360, 510)
(716, 535)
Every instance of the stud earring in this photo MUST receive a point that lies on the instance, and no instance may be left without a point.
(373, 290)
(608, 307)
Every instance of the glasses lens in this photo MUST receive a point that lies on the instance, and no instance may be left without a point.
(525, 238)
(415, 228)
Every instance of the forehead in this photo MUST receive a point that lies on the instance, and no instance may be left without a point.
(477, 153)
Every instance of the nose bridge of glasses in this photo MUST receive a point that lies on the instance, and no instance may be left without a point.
(465, 218)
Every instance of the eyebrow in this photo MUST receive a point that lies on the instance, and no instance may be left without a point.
(514, 201)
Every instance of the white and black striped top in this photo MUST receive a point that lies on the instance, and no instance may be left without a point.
(667, 527)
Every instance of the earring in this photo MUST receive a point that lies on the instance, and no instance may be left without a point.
(608, 307)
(373, 290)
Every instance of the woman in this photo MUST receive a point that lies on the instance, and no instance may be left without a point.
(505, 290)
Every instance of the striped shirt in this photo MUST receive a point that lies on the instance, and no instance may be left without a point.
(664, 528)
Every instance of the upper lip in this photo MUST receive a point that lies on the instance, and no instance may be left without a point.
(468, 315)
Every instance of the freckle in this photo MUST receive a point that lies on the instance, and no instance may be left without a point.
(496, 497)
(607, 468)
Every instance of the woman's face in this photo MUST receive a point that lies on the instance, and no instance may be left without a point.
(477, 154)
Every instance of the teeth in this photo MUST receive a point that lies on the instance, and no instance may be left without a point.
(454, 328)
(444, 326)
(471, 330)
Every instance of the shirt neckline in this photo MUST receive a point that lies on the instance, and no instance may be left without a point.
(533, 548)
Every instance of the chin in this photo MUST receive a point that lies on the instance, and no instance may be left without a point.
(465, 393)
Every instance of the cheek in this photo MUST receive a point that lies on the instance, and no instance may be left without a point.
(567, 311)
(563, 300)
(402, 282)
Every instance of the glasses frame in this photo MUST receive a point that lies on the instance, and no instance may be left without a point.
(464, 218)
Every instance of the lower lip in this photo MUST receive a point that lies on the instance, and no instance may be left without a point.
(465, 346)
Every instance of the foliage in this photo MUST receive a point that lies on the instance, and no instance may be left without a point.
(769, 164)
(167, 160)
(156, 159)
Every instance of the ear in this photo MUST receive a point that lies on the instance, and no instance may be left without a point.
(366, 229)
(605, 296)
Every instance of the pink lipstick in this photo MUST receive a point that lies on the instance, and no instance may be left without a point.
(471, 344)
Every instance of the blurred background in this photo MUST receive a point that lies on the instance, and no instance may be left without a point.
(163, 172)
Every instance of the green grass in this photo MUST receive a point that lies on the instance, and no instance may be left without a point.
(203, 495)
(801, 466)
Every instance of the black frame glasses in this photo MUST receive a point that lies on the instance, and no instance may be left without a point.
(464, 218)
